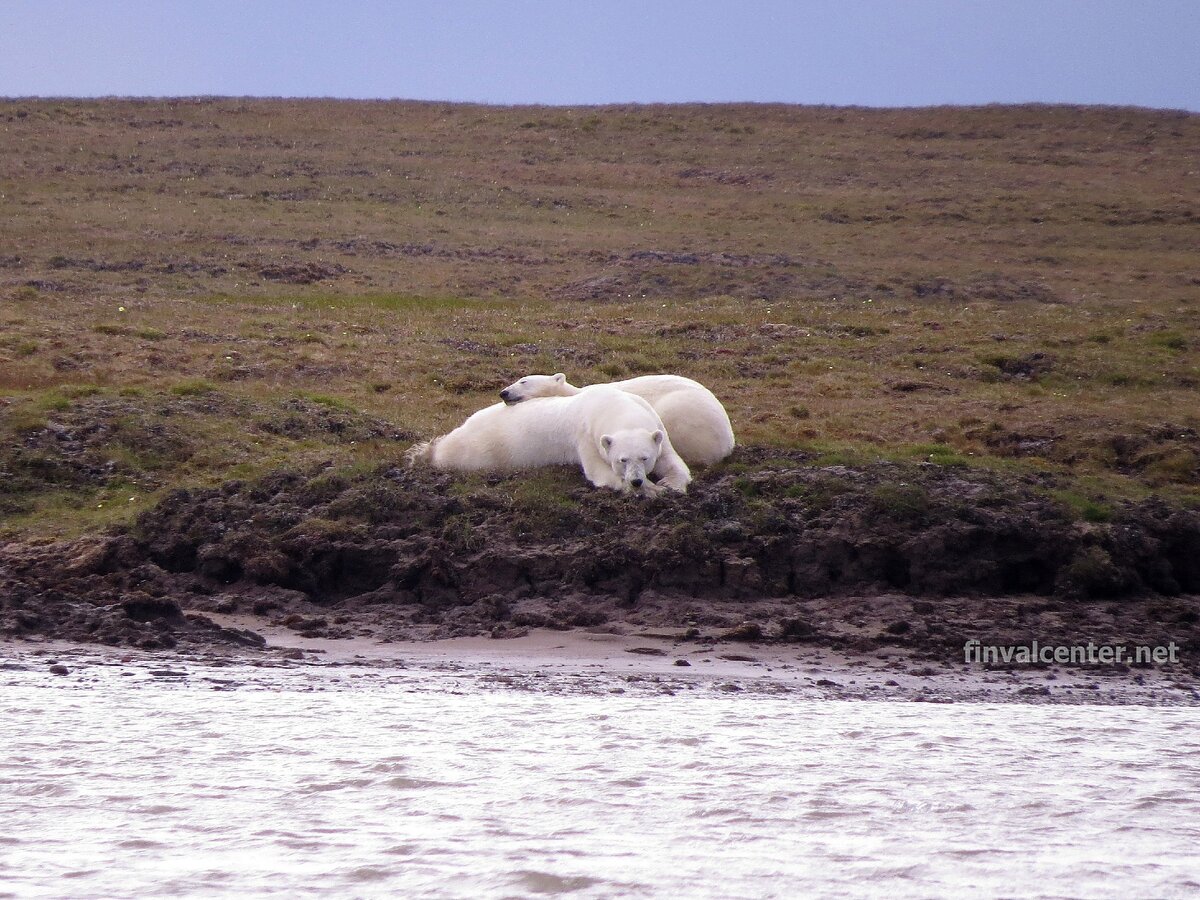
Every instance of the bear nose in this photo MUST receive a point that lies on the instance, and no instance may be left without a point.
(504, 394)
(636, 482)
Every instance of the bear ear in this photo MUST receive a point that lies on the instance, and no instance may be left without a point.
(657, 437)
(606, 441)
(559, 378)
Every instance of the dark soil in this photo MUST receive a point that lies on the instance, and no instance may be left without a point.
(766, 547)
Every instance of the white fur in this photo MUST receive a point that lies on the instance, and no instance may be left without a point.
(615, 437)
(694, 418)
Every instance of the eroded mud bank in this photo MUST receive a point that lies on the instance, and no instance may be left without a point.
(764, 548)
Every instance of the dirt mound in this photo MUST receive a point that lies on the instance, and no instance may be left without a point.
(767, 544)
(69, 592)
(102, 440)
(302, 272)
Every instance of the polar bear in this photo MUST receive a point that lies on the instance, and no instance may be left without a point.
(615, 437)
(694, 418)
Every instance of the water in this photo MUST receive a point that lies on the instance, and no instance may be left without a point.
(356, 782)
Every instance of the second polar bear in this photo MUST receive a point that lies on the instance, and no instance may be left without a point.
(694, 418)
(615, 437)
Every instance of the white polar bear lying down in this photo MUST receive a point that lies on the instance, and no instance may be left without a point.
(615, 437)
(694, 418)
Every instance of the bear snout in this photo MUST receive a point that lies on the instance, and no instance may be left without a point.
(507, 396)
(636, 482)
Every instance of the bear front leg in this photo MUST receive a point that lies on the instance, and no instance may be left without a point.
(597, 470)
(672, 471)
(650, 489)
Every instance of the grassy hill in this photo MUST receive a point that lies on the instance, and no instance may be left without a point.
(194, 290)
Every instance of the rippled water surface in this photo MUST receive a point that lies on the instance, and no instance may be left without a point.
(249, 782)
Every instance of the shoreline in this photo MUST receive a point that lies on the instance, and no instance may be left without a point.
(581, 662)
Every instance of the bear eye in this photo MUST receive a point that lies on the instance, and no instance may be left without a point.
(624, 459)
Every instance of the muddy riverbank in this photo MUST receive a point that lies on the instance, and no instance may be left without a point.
(766, 549)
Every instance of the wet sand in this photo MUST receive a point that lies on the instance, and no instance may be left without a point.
(584, 662)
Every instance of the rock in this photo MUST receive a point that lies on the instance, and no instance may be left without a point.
(796, 630)
(143, 608)
(503, 632)
(88, 556)
(59, 669)
(747, 631)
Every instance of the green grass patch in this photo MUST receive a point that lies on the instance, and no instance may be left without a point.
(329, 402)
(1177, 467)
(64, 513)
(903, 502)
(543, 502)
(20, 347)
(62, 396)
(55, 403)
(1089, 509)
(840, 454)
(1169, 340)
(938, 454)
(747, 487)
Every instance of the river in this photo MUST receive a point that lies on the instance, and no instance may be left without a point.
(356, 781)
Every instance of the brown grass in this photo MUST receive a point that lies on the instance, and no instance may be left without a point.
(1008, 286)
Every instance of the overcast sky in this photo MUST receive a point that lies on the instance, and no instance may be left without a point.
(865, 52)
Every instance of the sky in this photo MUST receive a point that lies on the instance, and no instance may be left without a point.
(848, 52)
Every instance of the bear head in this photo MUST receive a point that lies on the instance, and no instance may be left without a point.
(633, 454)
(535, 386)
